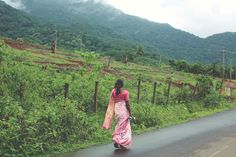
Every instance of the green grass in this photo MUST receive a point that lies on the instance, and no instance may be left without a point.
(37, 120)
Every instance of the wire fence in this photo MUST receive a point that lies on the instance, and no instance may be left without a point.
(140, 92)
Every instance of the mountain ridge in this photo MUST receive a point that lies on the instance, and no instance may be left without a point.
(111, 30)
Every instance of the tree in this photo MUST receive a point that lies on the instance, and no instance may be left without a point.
(129, 56)
(182, 66)
(172, 63)
(197, 69)
(140, 50)
(214, 70)
(204, 86)
(234, 72)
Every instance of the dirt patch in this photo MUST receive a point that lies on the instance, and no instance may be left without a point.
(76, 61)
(57, 64)
(22, 46)
(115, 72)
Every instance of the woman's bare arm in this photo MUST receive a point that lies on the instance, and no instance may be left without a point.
(128, 108)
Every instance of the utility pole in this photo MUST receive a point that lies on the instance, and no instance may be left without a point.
(223, 65)
(56, 41)
(160, 61)
(230, 69)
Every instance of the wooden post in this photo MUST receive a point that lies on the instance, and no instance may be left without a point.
(154, 92)
(195, 89)
(138, 96)
(66, 90)
(109, 62)
(54, 43)
(181, 92)
(168, 92)
(126, 59)
(96, 97)
(53, 46)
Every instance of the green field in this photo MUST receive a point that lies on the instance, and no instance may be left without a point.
(37, 120)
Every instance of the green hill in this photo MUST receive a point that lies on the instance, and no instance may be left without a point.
(224, 41)
(102, 28)
(19, 25)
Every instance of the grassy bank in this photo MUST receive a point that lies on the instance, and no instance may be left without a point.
(38, 119)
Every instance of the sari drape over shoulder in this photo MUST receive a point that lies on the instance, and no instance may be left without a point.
(109, 114)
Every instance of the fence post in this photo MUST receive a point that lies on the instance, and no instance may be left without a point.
(138, 96)
(66, 90)
(109, 62)
(181, 92)
(96, 97)
(168, 91)
(154, 92)
(195, 89)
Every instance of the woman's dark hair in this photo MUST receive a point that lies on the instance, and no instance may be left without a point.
(118, 85)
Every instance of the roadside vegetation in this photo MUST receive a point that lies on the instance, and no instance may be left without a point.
(38, 118)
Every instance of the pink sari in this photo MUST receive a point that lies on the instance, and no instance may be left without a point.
(122, 133)
(109, 114)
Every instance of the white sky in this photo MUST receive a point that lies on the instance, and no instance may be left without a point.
(200, 17)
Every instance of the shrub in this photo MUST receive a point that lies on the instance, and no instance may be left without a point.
(212, 100)
(147, 115)
(204, 86)
(194, 107)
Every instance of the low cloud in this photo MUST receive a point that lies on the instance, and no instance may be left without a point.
(15, 4)
(94, 1)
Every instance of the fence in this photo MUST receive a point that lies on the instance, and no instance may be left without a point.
(157, 92)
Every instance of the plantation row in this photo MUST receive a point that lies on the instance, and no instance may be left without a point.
(36, 119)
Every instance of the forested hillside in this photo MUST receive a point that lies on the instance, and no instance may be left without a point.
(99, 27)
(225, 41)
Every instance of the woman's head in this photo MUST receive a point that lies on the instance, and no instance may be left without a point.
(118, 85)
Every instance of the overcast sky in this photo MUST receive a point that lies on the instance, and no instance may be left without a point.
(200, 17)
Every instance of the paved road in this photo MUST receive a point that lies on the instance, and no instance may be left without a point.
(213, 136)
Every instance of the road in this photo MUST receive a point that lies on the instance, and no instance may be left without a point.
(213, 136)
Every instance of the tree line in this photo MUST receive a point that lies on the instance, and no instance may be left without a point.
(214, 69)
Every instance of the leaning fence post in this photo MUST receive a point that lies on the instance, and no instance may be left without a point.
(96, 97)
(138, 96)
(66, 90)
(168, 91)
(154, 92)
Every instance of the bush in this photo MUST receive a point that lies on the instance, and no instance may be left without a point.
(11, 115)
(43, 129)
(212, 100)
(147, 115)
(183, 95)
(204, 86)
(194, 107)
(3, 50)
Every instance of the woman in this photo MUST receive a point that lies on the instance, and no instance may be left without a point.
(119, 104)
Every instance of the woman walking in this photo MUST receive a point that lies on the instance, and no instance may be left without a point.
(119, 105)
